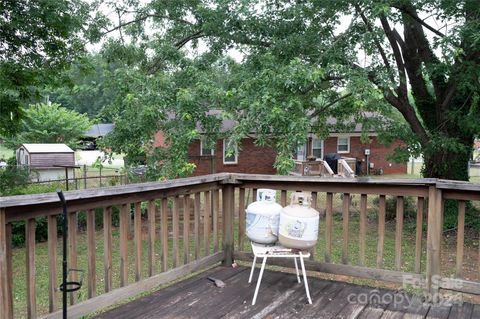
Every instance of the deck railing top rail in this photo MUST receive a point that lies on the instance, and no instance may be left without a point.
(35, 199)
(225, 178)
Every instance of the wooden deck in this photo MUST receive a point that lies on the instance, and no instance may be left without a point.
(280, 296)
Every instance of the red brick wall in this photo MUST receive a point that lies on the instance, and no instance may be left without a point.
(378, 153)
(259, 160)
(251, 159)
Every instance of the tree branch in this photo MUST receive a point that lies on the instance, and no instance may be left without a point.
(420, 46)
(323, 108)
(377, 43)
(196, 35)
(409, 114)
(402, 87)
(415, 17)
(403, 106)
(143, 18)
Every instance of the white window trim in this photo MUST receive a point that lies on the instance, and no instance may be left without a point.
(323, 149)
(212, 151)
(236, 155)
(348, 145)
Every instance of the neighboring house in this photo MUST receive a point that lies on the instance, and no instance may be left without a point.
(259, 160)
(45, 159)
(97, 131)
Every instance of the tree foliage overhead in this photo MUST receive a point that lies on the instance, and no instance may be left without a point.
(37, 39)
(86, 89)
(301, 63)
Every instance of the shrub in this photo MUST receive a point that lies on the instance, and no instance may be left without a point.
(409, 211)
(13, 178)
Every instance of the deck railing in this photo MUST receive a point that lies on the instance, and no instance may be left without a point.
(189, 224)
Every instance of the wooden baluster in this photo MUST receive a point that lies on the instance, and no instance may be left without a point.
(9, 299)
(107, 248)
(164, 231)
(92, 274)
(197, 208)
(314, 206)
(138, 240)
(418, 235)
(30, 262)
(363, 229)
(175, 218)
(328, 227)
(434, 236)
(399, 233)
(6, 300)
(228, 202)
(186, 229)
(345, 219)
(124, 216)
(314, 200)
(241, 219)
(52, 263)
(283, 198)
(215, 206)
(381, 230)
(151, 237)
(206, 223)
(72, 251)
(460, 237)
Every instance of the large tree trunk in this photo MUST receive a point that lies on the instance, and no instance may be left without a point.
(447, 165)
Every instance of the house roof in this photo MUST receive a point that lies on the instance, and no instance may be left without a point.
(229, 124)
(47, 148)
(98, 130)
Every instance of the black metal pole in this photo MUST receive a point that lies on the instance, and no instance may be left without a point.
(66, 178)
(64, 261)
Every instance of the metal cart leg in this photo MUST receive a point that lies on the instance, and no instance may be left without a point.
(296, 269)
(259, 280)
(253, 268)
(305, 282)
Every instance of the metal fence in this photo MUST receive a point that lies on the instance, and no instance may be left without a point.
(80, 177)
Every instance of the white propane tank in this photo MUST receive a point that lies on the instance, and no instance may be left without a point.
(262, 217)
(299, 223)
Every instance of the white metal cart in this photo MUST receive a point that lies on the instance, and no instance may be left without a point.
(278, 251)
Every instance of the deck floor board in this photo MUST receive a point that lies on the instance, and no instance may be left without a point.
(280, 297)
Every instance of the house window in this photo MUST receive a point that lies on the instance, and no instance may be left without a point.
(302, 153)
(228, 157)
(205, 151)
(317, 148)
(343, 145)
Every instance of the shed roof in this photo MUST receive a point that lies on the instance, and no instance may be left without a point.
(47, 148)
(98, 130)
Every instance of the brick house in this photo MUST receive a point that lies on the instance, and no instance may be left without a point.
(259, 160)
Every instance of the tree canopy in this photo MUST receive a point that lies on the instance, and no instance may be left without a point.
(37, 40)
(416, 62)
(279, 69)
(44, 123)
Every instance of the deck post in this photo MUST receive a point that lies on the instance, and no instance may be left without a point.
(434, 237)
(5, 289)
(228, 213)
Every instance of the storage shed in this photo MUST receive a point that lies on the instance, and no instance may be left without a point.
(44, 159)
